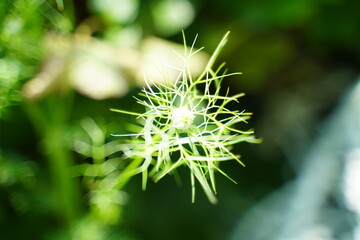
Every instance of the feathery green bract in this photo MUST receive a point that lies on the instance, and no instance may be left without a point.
(183, 126)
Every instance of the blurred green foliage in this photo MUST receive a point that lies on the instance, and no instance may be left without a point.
(56, 152)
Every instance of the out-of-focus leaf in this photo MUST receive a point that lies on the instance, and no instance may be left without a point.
(171, 16)
(95, 77)
(116, 11)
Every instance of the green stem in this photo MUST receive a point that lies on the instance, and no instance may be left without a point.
(128, 172)
(49, 118)
(66, 192)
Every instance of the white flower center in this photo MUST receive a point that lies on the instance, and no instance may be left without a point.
(182, 118)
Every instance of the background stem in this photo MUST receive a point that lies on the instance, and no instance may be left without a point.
(50, 119)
